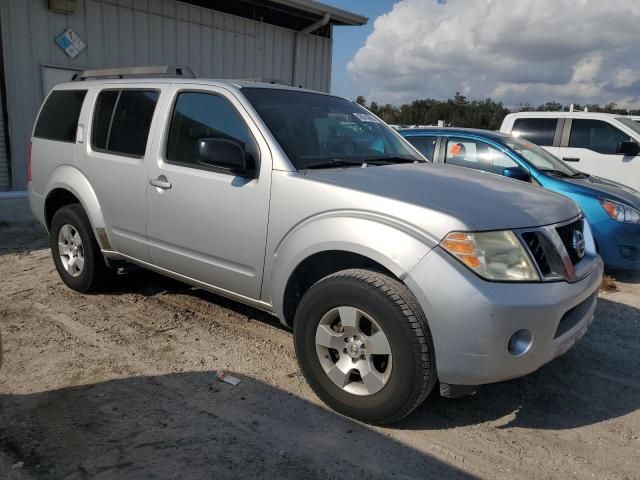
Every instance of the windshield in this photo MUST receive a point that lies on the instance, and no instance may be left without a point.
(539, 157)
(321, 131)
(631, 123)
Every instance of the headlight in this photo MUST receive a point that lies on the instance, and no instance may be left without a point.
(620, 212)
(492, 255)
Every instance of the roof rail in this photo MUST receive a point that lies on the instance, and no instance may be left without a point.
(273, 81)
(128, 72)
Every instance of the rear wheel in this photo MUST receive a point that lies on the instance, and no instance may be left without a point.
(364, 346)
(76, 253)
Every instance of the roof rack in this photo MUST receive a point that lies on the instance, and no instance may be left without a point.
(129, 72)
(273, 81)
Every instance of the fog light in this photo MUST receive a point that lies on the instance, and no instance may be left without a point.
(520, 342)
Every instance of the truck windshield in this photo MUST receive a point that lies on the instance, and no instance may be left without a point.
(321, 131)
(540, 158)
(631, 123)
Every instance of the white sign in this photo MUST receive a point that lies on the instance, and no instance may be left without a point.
(71, 43)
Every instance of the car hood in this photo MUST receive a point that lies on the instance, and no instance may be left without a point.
(482, 200)
(604, 188)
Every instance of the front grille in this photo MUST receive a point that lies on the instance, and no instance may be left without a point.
(565, 233)
(537, 251)
(552, 249)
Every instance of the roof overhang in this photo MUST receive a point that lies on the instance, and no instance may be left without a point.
(338, 16)
(292, 14)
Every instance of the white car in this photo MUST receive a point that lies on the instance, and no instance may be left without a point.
(600, 144)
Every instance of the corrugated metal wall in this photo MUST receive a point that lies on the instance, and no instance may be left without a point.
(143, 32)
(5, 181)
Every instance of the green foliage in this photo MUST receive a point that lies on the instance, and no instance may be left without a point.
(459, 111)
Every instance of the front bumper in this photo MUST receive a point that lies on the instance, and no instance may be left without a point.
(472, 320)
(618, 244)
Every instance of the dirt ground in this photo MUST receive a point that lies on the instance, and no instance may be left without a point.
(122, 385)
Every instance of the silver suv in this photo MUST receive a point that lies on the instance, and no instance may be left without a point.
(395, 274)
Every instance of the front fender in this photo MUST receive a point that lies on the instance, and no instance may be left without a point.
(70, 178)
(394, 245)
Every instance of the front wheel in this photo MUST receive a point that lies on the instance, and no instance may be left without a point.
(363, 344)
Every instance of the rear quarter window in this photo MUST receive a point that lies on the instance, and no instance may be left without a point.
(59, 116)
(425, 145)
(537, 130)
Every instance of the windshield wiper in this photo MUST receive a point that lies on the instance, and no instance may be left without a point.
(580, 175)
(333, 163)
(388, 160)
(559, 173)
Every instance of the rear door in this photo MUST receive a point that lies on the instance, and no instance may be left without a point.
(543, 131)
(206, 222)
(114, 157)
(592, 145)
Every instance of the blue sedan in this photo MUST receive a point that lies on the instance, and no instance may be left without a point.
(613, 210)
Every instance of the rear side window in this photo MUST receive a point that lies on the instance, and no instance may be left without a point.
(596, 135)
(425, 145)
(122, 120)
(537, 130)
(58, 119)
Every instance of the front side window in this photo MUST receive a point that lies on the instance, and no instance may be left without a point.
(322, 131)
(596, 135)
(478, 155)
(537, 130)
(425, 145)
(198, 116)
(122, 120)
(58, 119)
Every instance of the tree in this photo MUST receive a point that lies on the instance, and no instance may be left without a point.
(459, 111)
(360, 100)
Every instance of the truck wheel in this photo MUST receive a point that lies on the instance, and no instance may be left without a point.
(75, 251)
(363, 344)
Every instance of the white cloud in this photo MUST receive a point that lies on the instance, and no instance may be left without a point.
(583, 51)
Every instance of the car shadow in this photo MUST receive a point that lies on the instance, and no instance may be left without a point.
(191, 425)
(593, 382)
(568, 392)
(137, 280)
(625, 276)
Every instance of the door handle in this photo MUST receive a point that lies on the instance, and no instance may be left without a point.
(571, 159)
(160, 182)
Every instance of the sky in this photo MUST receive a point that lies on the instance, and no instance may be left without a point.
(514, 51)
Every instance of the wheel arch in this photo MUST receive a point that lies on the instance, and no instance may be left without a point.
(328, 245)
(68, 185)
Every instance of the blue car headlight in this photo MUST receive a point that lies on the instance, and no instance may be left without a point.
(620, 212)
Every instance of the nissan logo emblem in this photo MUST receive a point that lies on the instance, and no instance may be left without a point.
(578, 243)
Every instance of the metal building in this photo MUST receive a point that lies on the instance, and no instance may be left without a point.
(44, 42)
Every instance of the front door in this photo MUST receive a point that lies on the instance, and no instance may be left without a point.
(205, 222)
(592, 148)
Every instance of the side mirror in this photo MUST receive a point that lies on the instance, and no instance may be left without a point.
(222, 153)
(516, 173)
(629, 148)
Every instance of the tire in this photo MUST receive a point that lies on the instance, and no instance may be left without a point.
(94, 271)
(380, 303)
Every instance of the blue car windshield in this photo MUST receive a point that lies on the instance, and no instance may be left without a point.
(322, 131)
(540, 158)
